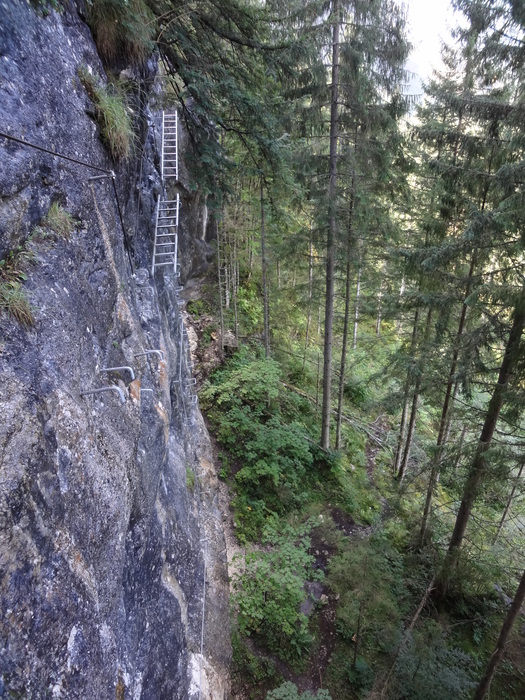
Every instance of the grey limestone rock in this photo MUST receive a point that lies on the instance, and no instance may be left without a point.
(107, 546)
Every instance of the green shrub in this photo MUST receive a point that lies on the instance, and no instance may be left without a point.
(429, 669)
(272, 458)
(252, 669)
(111, 113)
(289, 691)
(269, 592)
(360, 675)
(369, 580)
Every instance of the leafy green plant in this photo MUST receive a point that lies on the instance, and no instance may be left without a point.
(111, 113)
(197, 307)
(59, 220)
(272, 457)
(269, 592)
(289, 691)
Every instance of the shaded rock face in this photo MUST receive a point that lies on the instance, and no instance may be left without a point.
(110, 534)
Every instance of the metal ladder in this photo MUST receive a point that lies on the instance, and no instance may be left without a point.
(166, 234)
(169, 166)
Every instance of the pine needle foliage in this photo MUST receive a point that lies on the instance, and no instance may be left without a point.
(123, 30)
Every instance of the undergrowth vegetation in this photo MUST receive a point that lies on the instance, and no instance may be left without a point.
(268, 452)
(271, 589)
(293, 502)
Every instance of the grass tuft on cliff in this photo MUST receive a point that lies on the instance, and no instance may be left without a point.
(59, 220)
(111, 114)
(13, 299)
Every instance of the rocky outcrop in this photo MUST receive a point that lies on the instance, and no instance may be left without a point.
(113, 574)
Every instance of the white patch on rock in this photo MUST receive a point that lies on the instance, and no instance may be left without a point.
(171, 584)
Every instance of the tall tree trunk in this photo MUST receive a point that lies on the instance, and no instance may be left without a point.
(460, 445)
(379, 303)
(450, 414)
(415, 401)
(342, 368)
(509, 501)
(310, 284)
(401, 436)
(445, 411)
(357, 298)
(506, 628)
(332, 229)
(266, 306)
(479, 462)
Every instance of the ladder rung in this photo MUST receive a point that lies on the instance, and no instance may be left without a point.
(168, 226)
(168, 201)
(161, 264)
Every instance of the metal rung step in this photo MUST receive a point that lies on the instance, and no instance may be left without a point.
(168, 201)
(161, 264)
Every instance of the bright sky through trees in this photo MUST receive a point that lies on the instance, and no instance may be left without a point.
(429, 24)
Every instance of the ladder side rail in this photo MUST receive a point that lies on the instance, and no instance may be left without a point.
(155, 241)
(162, 149)
(176, 234)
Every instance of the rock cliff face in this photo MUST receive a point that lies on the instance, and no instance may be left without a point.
(112, 564)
